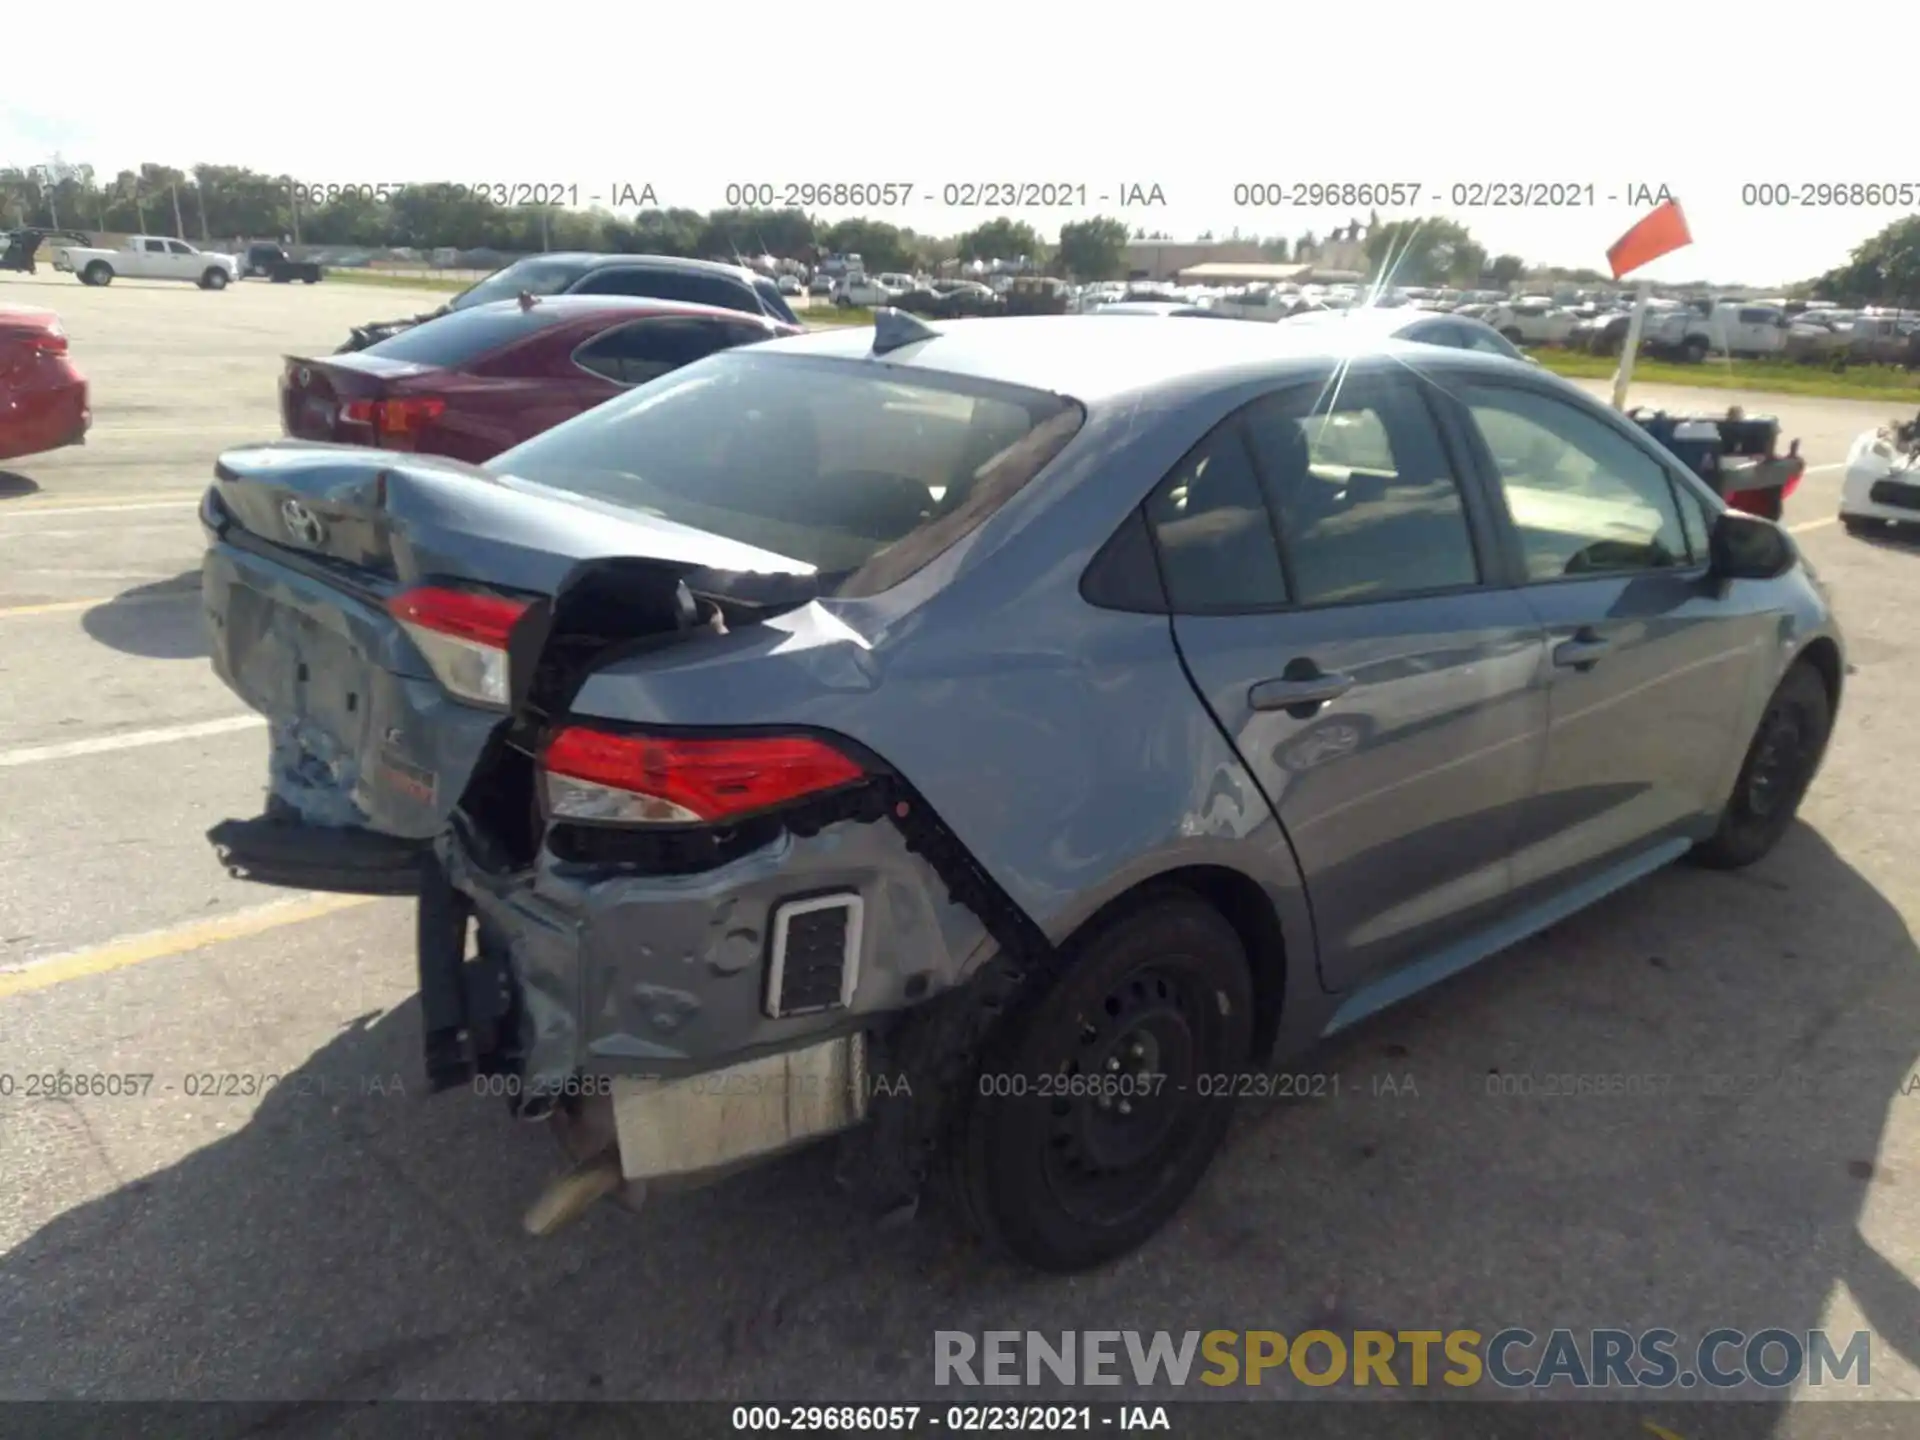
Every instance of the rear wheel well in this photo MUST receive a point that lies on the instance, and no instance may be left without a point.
(1244, 906)
(1824, 656)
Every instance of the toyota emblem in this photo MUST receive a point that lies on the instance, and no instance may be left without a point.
(302, 524)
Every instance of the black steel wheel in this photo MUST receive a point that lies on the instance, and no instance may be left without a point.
(1100, 1106)
(1781, 760)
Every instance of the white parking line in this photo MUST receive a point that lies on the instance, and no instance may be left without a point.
(131, 740)
(1806, 525)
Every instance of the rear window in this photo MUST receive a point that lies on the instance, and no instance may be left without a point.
(464, 336)
(534, 275)
(860, 473)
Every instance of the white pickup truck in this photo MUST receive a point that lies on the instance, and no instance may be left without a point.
(149, 257)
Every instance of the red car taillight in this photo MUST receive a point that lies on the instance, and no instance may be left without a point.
(392, 420)
(48, 342)
(596, 775)
(463, 635)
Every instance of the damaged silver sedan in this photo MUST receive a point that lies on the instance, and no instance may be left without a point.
(934, 736)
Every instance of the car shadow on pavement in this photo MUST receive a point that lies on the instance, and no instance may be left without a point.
(355, 1239)
(1892, 537)
(161, 621)
(13, 486)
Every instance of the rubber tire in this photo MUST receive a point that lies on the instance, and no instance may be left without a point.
(1861, 524)
(996, 1174)
(1742, 838)
(98, 272)
(308, 279)
(1693, 353)
(214, 279)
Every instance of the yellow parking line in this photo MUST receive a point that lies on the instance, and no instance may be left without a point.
(66, 505)
(52, 607)
(174, 940)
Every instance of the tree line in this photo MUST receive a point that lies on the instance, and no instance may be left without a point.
(217, 203)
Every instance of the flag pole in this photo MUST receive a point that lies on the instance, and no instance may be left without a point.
(1631, 346)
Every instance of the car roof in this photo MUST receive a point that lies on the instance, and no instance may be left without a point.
(1093, 359)
(574, 307)
(599, 260)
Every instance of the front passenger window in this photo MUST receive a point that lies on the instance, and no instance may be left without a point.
(1584, 498)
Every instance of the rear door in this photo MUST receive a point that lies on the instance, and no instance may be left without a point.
(1340, 613)
(1651, 665)
(149, 259)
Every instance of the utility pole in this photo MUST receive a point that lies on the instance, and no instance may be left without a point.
(179, 228)
(48, 179)
(200, 194)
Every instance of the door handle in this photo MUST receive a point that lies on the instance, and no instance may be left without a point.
(1585, 650)
(1289, 691)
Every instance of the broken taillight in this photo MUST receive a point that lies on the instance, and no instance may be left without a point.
(599, 776)
(463, 635)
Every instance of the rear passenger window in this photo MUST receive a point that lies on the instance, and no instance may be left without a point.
(1368, 503)
(1213, 531)
(648, 349)
(670, 285)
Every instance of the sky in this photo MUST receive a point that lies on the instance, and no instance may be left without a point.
(1701, 98)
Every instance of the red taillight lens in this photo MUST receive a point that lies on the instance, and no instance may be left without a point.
(653, 780)
(409, 416)
(392, 420)
(48, 342)
(463, 635)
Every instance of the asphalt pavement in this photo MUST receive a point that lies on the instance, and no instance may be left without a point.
(280, 1212)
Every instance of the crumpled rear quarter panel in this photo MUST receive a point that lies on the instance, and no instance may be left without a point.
(650, 974)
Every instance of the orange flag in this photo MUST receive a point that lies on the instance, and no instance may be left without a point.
(1662, 232)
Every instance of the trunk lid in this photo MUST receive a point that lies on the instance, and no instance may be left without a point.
(310, 546)
(316, 395)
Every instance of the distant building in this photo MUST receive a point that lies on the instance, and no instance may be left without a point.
(1342, 256)
(1165, 259)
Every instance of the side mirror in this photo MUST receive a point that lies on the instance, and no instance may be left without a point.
(1745, 547)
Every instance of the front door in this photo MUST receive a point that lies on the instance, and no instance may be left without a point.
(1334, 608)
(1651, 666)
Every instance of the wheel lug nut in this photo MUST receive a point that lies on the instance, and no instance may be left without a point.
(1113, 1062)
(1125, 1108)
(1138, 1050)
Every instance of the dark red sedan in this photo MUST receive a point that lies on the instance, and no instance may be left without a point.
(43, 395)
(474, 382)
